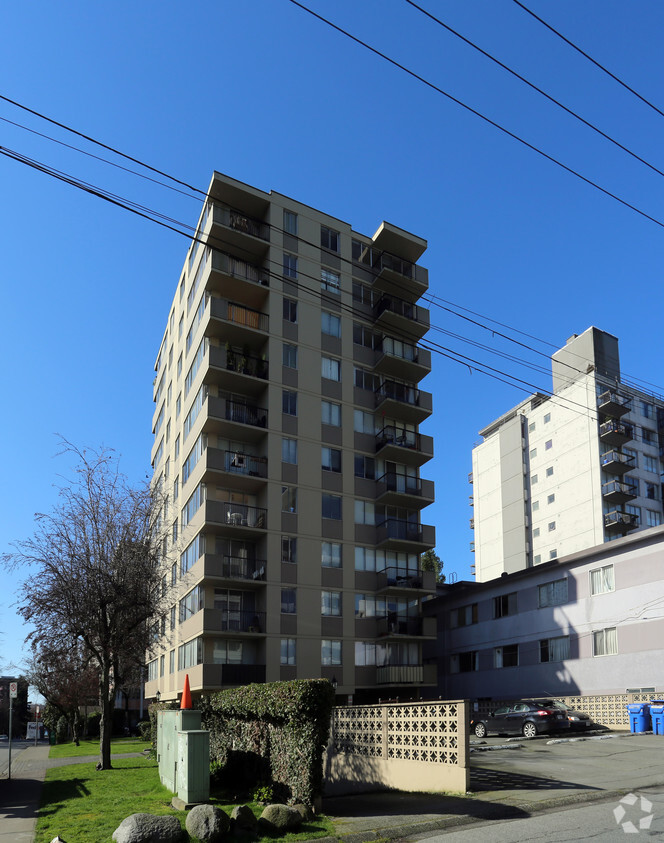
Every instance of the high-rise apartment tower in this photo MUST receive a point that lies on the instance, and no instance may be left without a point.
(558, 474)
(286, 438)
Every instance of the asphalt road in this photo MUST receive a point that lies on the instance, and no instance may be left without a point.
(610, 821)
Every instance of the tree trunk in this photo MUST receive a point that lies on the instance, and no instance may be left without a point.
(106, 701)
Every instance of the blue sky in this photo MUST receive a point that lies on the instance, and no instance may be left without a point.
(265, 93)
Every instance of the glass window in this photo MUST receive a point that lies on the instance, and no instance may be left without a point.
(365, 512)
(331, 413)
(531, 427)
(330, 281)
(290, 310)
(330, 555)
(363, 422)
(290, 265)
(365, 653)
(554, 649)
(287, 651)
(652, 491)
(651, 464)
(602, 580)
(288, 605)
(330, 324)
(330, 652)
(533, 479)
(289, 499)
(190, 654)
(552, 526)
(290, 223)
(289, 549)
(289, 451)
(289, 402)
(365, 559)
(331, 507)
(463, 616)
(605, 642)
(536, 532)
(331, 368)
(535, 506)
(553, 554)
(533, 453)
(548, 444)
(289, 355)
(464, 662)
(552, 593)
(330, 459)
(550, 498)
(365, 467)
(549, 471)
(653, 519)
(329, 238)
(505, 604)
(330, 603)
(646, 409)
(547, 418)
(506, 656)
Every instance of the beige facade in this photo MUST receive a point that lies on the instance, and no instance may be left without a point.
(287, 413)
(558, 474)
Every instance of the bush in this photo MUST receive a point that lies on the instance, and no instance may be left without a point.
(145, 729)
(61, 730)
(272, 733)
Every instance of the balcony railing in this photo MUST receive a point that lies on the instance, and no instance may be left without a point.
(395, 305)
(402, 578)
(237, 462)
(400, 674)
(241, 620)
(240, 315)
(392, 435)
(616, 462)
(245, 413)
(399, 624)
(236, 268)
(239, 221)
(619, 491)
(242, 515)
(242, 674)
(379, 260)
(618, 520)
(616, 432)
(397, 528)
(398, 348)
(396, 391)
(613, 403)
(241, 568)
(393, 481)
(245, 364)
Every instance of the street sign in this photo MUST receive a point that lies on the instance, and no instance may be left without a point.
(13, 690)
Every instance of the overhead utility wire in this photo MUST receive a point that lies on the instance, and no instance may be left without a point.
(536, 88)
(590, 58)
(479, 114)
(204, 194)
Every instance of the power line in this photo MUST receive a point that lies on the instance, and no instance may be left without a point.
(536, 88)
(590, 58)
(479, 114)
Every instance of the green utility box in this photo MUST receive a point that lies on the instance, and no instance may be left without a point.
(193, 766)
(169, 725)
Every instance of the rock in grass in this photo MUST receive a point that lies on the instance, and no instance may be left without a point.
(243, 818)
(208, 823)
(279, 818)
(305, 811)
(147, 828)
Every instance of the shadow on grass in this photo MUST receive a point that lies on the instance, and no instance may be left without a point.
(56, 793)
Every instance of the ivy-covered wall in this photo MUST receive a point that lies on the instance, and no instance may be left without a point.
(272, 734)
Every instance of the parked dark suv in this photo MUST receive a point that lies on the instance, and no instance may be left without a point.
(526, 717)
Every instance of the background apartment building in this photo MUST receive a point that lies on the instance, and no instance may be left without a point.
(558, 474)
(286, 438)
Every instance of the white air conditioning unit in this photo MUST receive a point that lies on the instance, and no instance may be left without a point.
(239, 461)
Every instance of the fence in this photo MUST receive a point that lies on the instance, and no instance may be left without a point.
(415, 746)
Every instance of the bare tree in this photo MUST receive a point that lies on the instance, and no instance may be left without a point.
(95, 574)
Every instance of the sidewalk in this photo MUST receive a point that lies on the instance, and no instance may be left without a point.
(19, 797)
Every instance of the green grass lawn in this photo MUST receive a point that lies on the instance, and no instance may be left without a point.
(91, 747)
(83, 805)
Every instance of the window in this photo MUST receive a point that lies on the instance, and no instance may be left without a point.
(605, 642)
(652, 491)
(463, 616)
(290, 310)
(175, 531)
(365, 467)
(331, 369)
(174, 573)
(287, 651)
(633, 510)
(288, 549)
(648, 436)
(537, 558)
(365, 512)
(190, 654)
(533, 453)
(330, 603)
(550, 498)
(365, 653)
(330, 324)
(646, 409)
(536, 533)
(330, 281)
(653, 519)
(547, 418)
(553, 554)
(548, 444)
(552, 593)
(329, 239)
(289, 356)
(330, 459)
(330, 555)
(191, 554)
(191, 507)
(290, 265)
(535, 506)
(227, 652)
(504, 605)
(172, 618)
(289, 402)
(289, 451)
(171, 662)
(180, 366)
(554, 649)
(549, 471)
(552, 526)
(331, 413)
(196, 407)
(153, 670)
(602, 580)
(331, 507)
(289, 499)
(177, 446)
(464, 662)
(290, 227)
(193, 457)
(507, 656)
(191, 603)
(365, 379)
(634, 455)
(365, 559)
(531, 427)
(330, 652)
(178, 405)
(288, 604)
(533, 479)
(363, 422)
(651, 464)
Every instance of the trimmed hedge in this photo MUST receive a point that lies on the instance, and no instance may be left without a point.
(272, 734)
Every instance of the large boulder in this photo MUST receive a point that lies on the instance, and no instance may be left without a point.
(243, 819)
(306, 812)
(276, 819)
(148, 828)
(208, 823)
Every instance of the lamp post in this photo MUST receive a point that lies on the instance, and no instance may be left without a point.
(157, 696)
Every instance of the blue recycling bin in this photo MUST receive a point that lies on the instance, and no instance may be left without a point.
(639, 717)
(657, 715)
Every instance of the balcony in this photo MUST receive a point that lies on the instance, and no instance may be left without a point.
(399, 534)
(246, 282)
(399, 581)
(218, 675)
(615, 462)
(393, 314)
(615, 433)
(234, 568)
(617, 521)
(396, 489)
(403, 401)
(233, 228)
(614, 404)
(247, 472)
(236, 419)
(398, 444)
(235, 621)
(617, 491)
(239, 325)
(238, 518)
(236, 371)
(402, 359)
(391, 259)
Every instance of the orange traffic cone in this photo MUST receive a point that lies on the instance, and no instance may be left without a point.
(186, 694)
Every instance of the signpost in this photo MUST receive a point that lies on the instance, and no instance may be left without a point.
(13, 694)
(36, 723)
